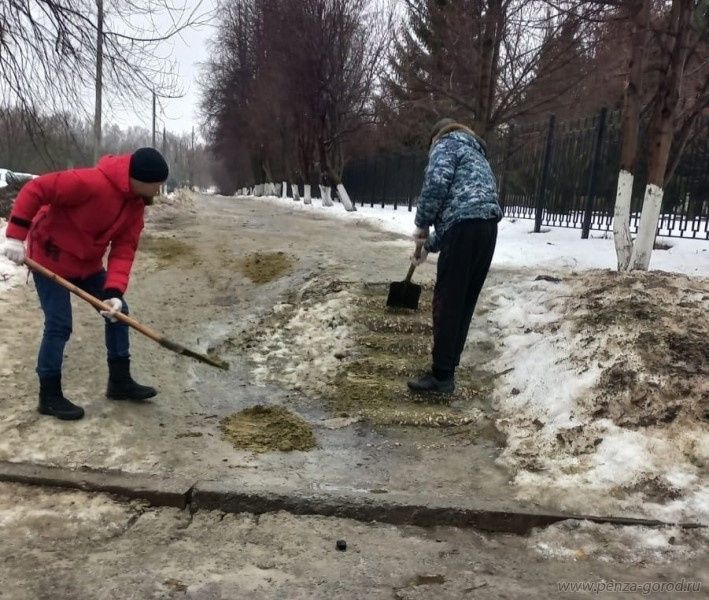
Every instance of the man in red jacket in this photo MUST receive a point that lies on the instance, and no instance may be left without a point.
(69, 220)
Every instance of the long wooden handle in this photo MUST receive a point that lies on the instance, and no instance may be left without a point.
(95, 302)
(130, 321)
(412, 268)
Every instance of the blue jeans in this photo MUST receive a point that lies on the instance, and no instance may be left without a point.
(56, 304)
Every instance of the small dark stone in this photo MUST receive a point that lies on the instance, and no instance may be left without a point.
(515, 392)
(341, 545)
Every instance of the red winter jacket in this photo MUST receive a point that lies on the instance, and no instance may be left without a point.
(72, 217)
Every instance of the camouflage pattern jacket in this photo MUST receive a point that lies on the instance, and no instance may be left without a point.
(458, 184)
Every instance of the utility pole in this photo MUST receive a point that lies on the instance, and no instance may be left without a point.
(164, 152)
(99, 80)
(192, 161)
(154, 111)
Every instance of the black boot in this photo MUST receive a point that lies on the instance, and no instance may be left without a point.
(52, 401)
(430, 384)
(121, 385)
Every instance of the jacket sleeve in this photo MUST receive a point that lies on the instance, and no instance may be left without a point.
(121, 256)
(437, 181)
(64, 188)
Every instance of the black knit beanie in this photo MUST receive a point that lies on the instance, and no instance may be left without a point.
(148, 165)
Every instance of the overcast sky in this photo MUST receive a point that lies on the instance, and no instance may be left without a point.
(179, 115)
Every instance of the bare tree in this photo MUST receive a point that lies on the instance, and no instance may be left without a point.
(639, 13)
(288, 83)
(49, 50)
(676, 38)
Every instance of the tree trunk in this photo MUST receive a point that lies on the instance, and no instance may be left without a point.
(284, 190)
(325, 195)
(662, 131)
(489, 53)
(296, 192)
(345, 198)
(630, 127)
(307, 198)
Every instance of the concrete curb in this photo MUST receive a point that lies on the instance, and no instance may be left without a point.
(158, 492)
(241, 495)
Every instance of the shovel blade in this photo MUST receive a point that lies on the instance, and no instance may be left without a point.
(403, 294)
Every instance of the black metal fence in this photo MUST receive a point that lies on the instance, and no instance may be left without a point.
(559, 174)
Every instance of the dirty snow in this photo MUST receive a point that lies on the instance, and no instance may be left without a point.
(547, 407)
(585, 540)
(557, 248)
(303, 352)
(4, 172)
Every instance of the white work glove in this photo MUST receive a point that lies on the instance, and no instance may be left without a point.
(116, 304)
(14, 250)
(420, 235)
(419, 256)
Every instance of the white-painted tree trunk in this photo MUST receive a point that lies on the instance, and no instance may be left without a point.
(284, 190)
(277, 192)
(645, 240)
(295, 191)
(621, 220)
(257, 189)
(345, 198)
(325, 192)
(307, 198)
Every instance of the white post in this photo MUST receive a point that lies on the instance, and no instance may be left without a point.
(307, 198)
(284, 190)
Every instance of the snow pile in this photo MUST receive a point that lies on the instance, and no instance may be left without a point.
(300, 346)
(171, 210)
(10, 273)
(574, 540)
(606, 398)
(557, 248)
(6, 174)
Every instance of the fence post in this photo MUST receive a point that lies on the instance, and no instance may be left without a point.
(505, 165)
(386, 180)
(541, 192)
(595, 159)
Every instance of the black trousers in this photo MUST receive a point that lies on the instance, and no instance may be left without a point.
(466, 254)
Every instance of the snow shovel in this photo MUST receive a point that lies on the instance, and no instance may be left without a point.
(404, 294)
(130, 321)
